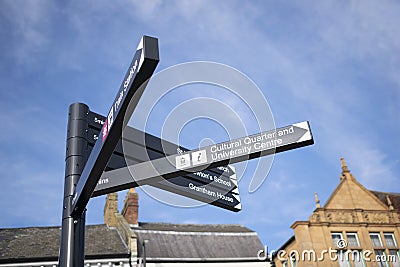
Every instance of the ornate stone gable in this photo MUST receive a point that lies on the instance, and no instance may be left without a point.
(353, 214)
(350, 194)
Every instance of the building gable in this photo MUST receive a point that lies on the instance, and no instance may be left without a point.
(350, 194)
(352, 213)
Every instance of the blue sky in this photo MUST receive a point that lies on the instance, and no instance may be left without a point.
(333, 63)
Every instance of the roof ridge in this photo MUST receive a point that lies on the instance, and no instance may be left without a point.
(193, 224)
(31, 227)
(388, 193)
(45, 227)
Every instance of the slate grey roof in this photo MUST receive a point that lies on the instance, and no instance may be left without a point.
(197, 242)
(166, 242)
(394, 198)
(42, 243)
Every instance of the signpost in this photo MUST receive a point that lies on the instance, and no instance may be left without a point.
(92, 149)
(241, 149)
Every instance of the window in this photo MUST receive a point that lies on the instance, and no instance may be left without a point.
(284, 264)
(343, 258)
(350, 258)
(387, 252)
(359, 263)
(376, 239)
(394, 257)
(390, 240)
(356, 257)
(293, 260)
(336, 237)
(381, 258)
(352, 240)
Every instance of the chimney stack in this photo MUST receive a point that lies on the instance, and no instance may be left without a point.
(110, 208)
(131, 207)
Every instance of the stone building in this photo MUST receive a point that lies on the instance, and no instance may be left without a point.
(355, 227)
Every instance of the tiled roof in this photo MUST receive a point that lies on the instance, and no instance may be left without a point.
(42, 243)
(394, 198)
(227, 228)
(197, 242)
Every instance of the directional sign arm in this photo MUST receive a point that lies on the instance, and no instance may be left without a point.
(112, 181)
(201, 192)
(274, 141)
(136, 146)
(208, 190)
(141, 146)
(142, 67)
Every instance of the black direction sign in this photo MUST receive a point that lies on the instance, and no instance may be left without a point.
(241, 149)
(148, 144)
(208, 190)
(111, 183)
(220, 185)
(137, 149)
(140, 70)
(207, 194)
(140, 147)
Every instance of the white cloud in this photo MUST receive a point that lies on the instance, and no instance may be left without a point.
(362, 26)
(371, 166)
(29, 22)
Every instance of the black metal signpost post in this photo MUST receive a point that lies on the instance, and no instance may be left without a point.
(72, 235)
(81, 175)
